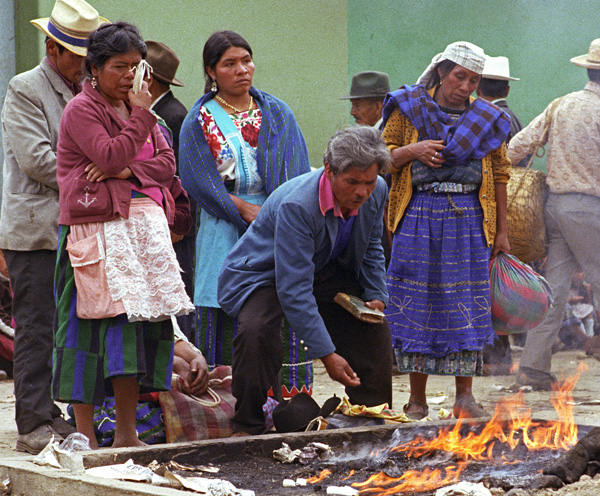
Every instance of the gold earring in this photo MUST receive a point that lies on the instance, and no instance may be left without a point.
(440, 81)
(213, 86)
(94, 82)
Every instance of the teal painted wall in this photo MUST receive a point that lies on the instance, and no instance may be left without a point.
(300, 49)
(539, 37)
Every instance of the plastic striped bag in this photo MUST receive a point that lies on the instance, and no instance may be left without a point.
(520, 296)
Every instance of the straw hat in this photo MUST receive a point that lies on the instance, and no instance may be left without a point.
(497, 68)
(70, 24)
(164, 62)
(368, 84)
(591, 60)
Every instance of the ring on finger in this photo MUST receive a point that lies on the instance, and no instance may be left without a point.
(433, 158)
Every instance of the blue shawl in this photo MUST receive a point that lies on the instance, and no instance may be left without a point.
(281, 155)
(482, 127)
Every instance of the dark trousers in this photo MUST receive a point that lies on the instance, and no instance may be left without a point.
(258, 352)
(32, 281)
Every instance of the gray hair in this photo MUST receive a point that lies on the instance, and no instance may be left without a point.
(359, 147)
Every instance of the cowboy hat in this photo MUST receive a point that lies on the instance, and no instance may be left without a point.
(497, 68)
(295, 414)
(164, 62)
(368, 84)
(70, 24)
(590, 60)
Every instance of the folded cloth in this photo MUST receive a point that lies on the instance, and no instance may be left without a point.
(382, 411)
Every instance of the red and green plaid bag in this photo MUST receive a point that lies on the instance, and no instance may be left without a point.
(520, 296)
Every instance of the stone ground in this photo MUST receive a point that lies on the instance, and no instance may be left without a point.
(488, 390)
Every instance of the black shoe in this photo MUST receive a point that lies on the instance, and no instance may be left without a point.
(37, 439)
(63, 427)
(537, 379)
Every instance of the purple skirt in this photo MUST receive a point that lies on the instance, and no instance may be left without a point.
(438, 281)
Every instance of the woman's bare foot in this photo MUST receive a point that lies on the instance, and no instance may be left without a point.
(127, 443)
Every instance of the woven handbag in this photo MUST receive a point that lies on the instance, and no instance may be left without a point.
(527, 193)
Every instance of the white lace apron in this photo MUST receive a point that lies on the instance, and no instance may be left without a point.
(142, 270)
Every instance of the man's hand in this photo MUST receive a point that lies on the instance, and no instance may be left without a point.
(376, 305)
(339, 370)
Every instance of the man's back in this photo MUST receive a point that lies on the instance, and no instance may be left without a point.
(573, 137)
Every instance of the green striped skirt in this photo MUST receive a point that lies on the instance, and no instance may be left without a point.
(88, 353)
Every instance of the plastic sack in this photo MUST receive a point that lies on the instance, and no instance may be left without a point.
(520, 296)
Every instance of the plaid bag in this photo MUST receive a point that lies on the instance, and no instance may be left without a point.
(190, 418)
(520, 296)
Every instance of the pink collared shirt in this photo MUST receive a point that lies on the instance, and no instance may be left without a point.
(327, 200)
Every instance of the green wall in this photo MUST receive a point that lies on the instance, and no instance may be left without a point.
(307, 51)
(299, 49)
(538, 36)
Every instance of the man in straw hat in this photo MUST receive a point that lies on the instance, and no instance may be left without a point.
(34, 103)
(165, 62)
(494, 87)
(569, 127)
(367, 91)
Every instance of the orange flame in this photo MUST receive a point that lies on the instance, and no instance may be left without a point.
(325, 473)
(411, 481)
(349, 475)
(510, 425)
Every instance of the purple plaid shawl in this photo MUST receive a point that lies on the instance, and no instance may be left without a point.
(479, 130)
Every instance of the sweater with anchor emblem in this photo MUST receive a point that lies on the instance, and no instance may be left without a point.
(92, 132)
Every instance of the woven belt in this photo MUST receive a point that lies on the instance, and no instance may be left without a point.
(446, 187)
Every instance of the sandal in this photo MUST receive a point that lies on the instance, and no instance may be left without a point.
(468, 408)
(420, 414)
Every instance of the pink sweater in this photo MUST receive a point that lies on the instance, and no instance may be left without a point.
(92, 132)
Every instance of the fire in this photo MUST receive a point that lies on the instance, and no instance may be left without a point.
(349, 475)
(411, 481)
(325, 473)
(511, 425)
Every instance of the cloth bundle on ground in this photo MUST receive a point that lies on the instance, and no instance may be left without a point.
(520, 296)
(191, 418)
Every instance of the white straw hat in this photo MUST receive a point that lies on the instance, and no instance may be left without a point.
(497, 68)
(70, 24)
(590, 60)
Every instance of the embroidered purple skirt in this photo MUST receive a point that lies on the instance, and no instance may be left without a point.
(438, 280)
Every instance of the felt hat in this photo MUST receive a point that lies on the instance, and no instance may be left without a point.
(164, 62)
(590, 60)
(368, 84)
(497, 68)
(295, 414)
(70, 24)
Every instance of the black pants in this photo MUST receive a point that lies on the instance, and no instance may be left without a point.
(32, 281)
(258, 351)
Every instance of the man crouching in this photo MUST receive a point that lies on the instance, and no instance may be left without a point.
(316, 235)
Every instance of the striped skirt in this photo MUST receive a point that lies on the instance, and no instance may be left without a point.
(438, 280)
(215, 333)
(89, 352)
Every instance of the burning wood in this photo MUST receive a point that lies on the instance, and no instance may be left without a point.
(511, 427)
